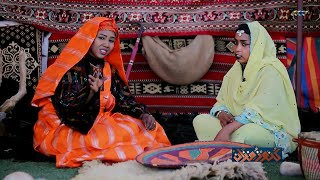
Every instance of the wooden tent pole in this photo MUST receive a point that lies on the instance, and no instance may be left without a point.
(299, 44)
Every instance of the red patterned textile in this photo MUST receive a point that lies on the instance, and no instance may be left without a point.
(165, 17)
(160, 96)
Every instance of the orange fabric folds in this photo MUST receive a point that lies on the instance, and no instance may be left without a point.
(114, 137)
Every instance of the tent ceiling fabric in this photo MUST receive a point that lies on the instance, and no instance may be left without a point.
(164, 17)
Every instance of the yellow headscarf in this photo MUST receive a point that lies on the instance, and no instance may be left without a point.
(267, 88)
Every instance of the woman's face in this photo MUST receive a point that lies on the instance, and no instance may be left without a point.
(102, 44)
(242, 47)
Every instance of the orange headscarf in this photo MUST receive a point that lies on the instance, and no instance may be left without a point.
(75, 50)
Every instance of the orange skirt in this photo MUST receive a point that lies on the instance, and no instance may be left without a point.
(113, 138)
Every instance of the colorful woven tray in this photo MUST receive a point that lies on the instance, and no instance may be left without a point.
(180, 155)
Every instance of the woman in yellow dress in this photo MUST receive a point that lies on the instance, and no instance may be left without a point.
(256, 103)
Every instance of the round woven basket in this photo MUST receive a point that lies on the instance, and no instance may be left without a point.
(309, 154)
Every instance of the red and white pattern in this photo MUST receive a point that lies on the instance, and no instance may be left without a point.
(164, 17)
(160, 96)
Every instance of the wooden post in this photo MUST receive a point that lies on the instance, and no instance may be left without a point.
(299, 45)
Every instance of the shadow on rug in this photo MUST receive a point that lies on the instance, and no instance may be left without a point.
(178, 127)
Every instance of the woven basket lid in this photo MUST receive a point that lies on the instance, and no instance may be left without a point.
(180, 155)
(312, 135)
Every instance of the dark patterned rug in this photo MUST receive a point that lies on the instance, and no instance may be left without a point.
(16, 128)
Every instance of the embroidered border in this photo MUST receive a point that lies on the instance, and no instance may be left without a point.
(162, 17)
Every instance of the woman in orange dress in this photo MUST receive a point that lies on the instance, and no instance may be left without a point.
(87, 111)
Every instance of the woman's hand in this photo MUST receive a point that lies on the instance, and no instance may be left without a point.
(223, 136)
(225, 118)
(95, 83)
(148, 121)
(225, 133)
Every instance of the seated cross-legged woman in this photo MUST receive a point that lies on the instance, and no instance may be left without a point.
(86, 109)
(256, 103)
